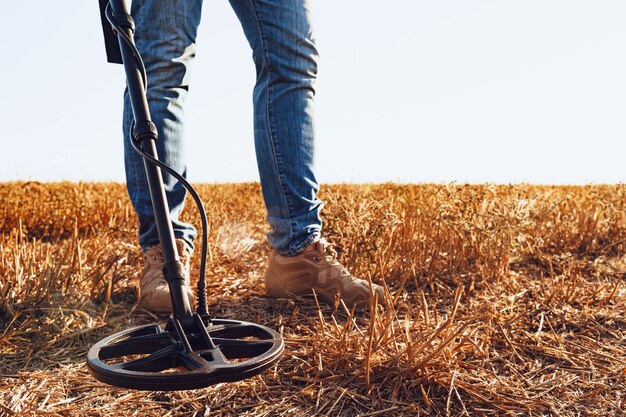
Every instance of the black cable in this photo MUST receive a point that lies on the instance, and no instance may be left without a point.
(201, 307)
(120, 32)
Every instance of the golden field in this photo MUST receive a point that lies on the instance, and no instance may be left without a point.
(504, 300)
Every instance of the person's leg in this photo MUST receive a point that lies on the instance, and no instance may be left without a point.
(284, 52)
(165, 36)
(279, 32)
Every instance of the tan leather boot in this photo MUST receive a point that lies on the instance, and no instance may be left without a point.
(317, 268)
(154, 292)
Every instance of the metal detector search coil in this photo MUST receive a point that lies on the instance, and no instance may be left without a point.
(153, 358)
(191, 350)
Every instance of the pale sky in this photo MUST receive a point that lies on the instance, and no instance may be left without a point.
(411, 91)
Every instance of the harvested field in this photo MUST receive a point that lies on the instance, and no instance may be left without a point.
(507, 300)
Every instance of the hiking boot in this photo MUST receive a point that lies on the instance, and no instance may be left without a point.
(317, 268)
(154, 292)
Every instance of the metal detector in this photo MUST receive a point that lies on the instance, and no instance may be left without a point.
(191, 350)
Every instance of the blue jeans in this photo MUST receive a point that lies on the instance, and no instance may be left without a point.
(285, 56)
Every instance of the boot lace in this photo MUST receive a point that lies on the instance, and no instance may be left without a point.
(329, 255)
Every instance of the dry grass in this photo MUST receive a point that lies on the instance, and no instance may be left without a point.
(507, 300)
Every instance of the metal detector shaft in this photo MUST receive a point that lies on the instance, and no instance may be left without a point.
(190, 350)
(146, 134)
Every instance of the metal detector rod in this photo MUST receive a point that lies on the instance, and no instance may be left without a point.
(145, 132)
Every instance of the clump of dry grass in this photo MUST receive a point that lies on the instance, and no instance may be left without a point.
(506, 300)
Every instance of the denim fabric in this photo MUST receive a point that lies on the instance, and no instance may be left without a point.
(285, 56)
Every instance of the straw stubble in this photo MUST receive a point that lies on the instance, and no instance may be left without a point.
(504, 300)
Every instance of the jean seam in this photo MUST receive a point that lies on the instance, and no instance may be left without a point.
(299, 248)
(134, 162)
(272, 134)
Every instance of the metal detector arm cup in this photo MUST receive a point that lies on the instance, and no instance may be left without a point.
(114, 55)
